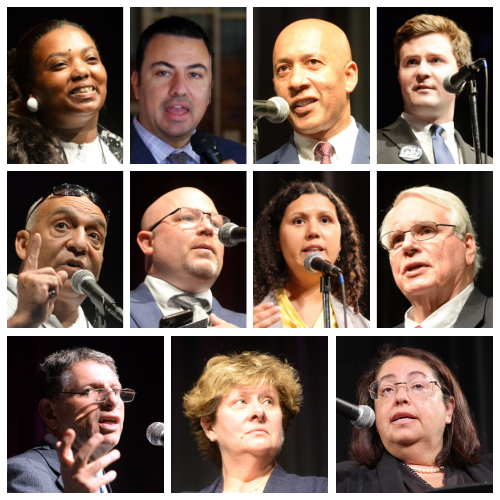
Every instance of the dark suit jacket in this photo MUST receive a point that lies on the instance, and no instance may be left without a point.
(391, 139)
(139, 153)
(145, 313)
(386, 477)
(281, 482)
(288, 154)
(36, 471)
(476, 313)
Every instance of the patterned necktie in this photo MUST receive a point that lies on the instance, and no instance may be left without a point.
(441, 152)
(324, 150)
(195, 304)
(178, 157)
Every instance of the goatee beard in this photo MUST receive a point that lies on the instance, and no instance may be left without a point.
(204, 270)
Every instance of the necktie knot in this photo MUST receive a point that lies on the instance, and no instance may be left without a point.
(324, 150)
(441, 152)
(178, 158)
(195, 304)
(437, 129)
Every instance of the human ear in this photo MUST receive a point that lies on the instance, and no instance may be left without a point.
(351, 76)
(470, 249)
(145, 242)
(49, 416)
(22, 243)
(135, 84)
(450, 408)
(207, 425)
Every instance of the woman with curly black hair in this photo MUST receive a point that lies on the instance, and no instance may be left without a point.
(305, 217)
(56, 87)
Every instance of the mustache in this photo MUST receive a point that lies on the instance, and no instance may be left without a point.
(178, 100)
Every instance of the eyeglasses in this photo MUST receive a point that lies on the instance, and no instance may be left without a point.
(102, 395)
(74, 190)
(421, 231)
(192, 217)
(416, 385)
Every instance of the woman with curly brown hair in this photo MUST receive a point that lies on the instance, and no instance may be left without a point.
(305, 217)
(56, 87)
(424, 435)
(239, 410)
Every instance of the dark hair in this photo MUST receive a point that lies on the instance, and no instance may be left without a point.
(269, 267)
(28, 140)
(461, 445)
(176, 26)
(54, 374)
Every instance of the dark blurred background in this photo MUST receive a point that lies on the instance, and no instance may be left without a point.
(140, 365)
(470, 359)
(269, 22)
(104, 25)
(477, 22)
(305, 451)
(228, 192)
(22, 193)
(475, 189)
(354, 187)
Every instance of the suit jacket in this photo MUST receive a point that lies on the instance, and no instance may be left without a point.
(391, 139)
(36, 471)
(281, 482)
(386, 476)
(476, 313)
(288, 154)
(353, 320)
(229, 150)
(145, 313)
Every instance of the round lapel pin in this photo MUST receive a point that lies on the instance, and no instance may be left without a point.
(410, 153)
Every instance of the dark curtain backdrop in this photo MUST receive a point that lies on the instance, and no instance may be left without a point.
(469, 358)
(104, 25)
(475, 189)
(228, 192)
(305, 451)
(140, 367)
(22, 193)
(269, 22)
(477, 22)
(353, 186)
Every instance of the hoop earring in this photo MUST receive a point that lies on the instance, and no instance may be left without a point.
(32, 104)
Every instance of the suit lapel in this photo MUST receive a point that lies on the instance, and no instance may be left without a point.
(362, 147)
(401, 134)
(467, 151)
(288, 153)
(473, 311)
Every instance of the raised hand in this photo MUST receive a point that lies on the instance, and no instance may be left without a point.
(265, 315)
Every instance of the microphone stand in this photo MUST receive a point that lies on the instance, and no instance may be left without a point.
(255, 139)
(472, 92)
(100, 316)
(325, 288)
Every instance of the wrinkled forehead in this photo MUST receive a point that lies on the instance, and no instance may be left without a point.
(82, 206)
(413, 209)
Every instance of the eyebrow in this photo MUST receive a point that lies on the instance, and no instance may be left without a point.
(100, 384)
(409, 375)
(171, 66)
(66, 54)
(67, 211)
(329, 212)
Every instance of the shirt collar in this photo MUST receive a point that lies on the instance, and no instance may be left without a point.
(420, 126)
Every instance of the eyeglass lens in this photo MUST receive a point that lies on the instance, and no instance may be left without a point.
(421, 232)
(194, 216)
(100, 395)
(416, 384)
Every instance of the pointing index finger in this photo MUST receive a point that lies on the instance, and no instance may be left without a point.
(32, 258)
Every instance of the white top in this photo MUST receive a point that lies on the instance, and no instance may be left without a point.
(342, 143)
(52, 321)
(423, 133)
(162, 291)
(446, 316)
(89, 153)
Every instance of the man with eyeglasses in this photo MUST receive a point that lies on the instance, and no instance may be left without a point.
(81, 402)
(183, 258)
(435, 257)
(65, 231)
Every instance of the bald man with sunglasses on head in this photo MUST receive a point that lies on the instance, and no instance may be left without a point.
(65, 232)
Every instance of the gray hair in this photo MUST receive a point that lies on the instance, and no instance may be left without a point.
(456, 211)
(54, 374)
(34, 217)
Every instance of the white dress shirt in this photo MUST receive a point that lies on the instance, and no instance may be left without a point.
(342, 143)
(446, 316)
(423, 133)
(90, 153)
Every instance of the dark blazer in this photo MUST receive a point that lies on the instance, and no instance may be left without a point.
(476, 313)
(288, 154)
(281, 482)
(36, 471)
(386, 476)
(391, 139)
(139, 153)
(145, 313)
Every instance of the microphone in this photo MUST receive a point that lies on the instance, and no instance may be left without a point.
(155, 433)
(230, 234)
(361, 416)
(453, 83)
(315, 262)
(275, 109)
(203, 144)
(84, 283)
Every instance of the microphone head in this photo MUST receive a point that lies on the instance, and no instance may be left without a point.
(201, 141)
(225, 234)
(449, 87)
(308, 261)
(154, 433)
(365, 419)
(78, 278)
(283, 110)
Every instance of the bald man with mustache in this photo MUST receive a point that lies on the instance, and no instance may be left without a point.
(183, 259)
(314, 72)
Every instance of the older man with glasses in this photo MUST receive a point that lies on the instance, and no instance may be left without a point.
(65, 232)
(183, 258)
(435, 257)
(81, 402)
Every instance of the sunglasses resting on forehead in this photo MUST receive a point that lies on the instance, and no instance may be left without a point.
(74, 190)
